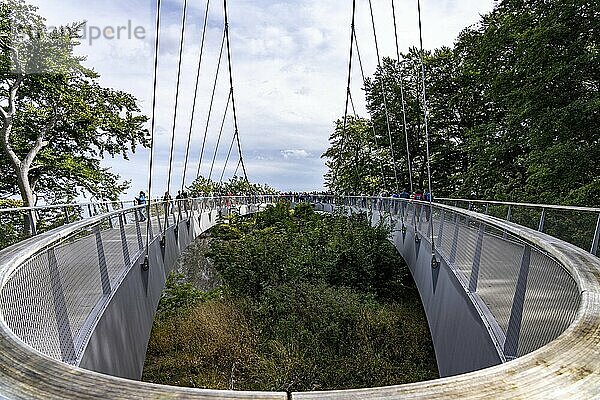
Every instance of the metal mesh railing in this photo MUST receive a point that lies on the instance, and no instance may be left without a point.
(53, 298)
(576, 225)
(531, 297)
(50, 300)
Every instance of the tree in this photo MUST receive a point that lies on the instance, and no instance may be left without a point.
(355, 163)
(56, 121)
(235, 186)
(513, 107)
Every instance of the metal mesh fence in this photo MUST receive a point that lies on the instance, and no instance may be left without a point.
(53, 298)
(576, 225)
(551, 301)
(531, 297)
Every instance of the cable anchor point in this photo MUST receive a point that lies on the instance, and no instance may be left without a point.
(146, 263)
(435, 263)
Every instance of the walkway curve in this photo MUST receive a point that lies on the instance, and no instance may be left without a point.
(568, 367)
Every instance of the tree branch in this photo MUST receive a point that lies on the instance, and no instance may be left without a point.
(12, 95)
(40, 143)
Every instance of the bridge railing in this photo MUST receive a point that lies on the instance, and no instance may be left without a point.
(526, 296)
(526, 286)
(576, 225)
(20, 223)
(56, 288)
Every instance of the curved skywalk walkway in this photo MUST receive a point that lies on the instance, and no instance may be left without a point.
(59, 294)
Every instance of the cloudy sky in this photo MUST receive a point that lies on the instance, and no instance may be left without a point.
(289, 69)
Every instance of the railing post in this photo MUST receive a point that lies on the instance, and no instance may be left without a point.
(32, 224)
(441, 229)
(138, 229)
(65, 334)
(454, 247)
(66, 216)
(126, 258)
(157, 209)
(476, 260)
(104, 278)
(594, 249)
(542, 220)
(511, 345)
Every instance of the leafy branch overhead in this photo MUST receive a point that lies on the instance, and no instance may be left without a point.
(58, 122)
(514, 111)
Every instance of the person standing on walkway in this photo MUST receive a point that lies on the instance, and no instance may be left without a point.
(141, 200)
(427, 198)
(405, 196)
(418, 207)
(168, 202)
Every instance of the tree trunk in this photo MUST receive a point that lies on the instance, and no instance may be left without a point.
(21, 172)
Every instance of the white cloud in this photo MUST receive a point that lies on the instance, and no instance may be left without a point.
(287, 154)
(289, 68)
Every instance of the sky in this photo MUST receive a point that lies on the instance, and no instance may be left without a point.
(289, 65)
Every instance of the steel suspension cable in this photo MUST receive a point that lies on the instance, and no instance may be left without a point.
(219, 138)
(352, 105)
(385, 107)
(364, 79)
(348, 95)
(187, 151)
(212, 99)
(181, 44)
(425, 112)
(236, 169)
(227, 159)
(152, 131)
(401, 80)
(235, 120)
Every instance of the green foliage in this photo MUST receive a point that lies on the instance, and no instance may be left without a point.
(235, 186)
(514, 110)
(180, 296)
(203, 347)
(312, 302)
(12, 224)
(304, 212)
(337, 250)
(63, 122)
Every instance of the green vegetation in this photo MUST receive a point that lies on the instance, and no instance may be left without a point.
(514, 111)
(56, 121)
(309, 302)
(236, 186)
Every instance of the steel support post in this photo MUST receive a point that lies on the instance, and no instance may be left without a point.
(511, 345)
(594, 249)
(138, 230)
(441, 228)
(124, 245)
(65, 334)
(104, 278)
(542, 220)
(476, 260)
(454, 240)
(66, 216)
(32, 224)
(157, 210)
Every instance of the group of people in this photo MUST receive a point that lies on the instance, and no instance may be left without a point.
(418, 195)
(167, 199)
